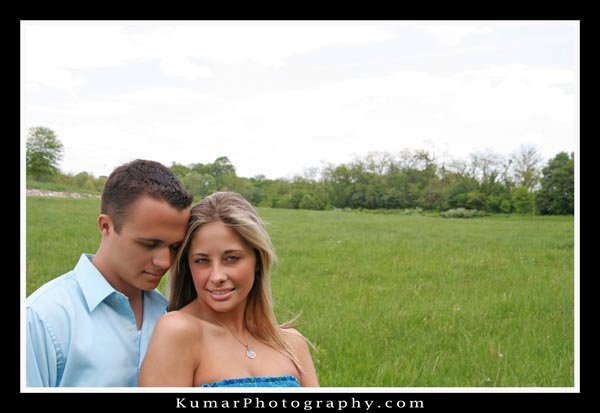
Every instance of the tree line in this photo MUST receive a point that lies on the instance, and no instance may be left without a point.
(408, 180)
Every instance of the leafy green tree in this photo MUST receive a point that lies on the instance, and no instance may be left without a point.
(242, 186)
(44, 151)
(220, 169)
(505, 206)
(99, 182)
(339, 183)
(523, 200)
(309, 201)
(475, 199)
(525, 164)
(180, 170)
(557, 193)
(199, 185)
(457, 194)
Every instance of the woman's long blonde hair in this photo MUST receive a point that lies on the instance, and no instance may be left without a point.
(235, 212)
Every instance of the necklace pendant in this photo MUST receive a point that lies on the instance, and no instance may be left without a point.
(250, 353)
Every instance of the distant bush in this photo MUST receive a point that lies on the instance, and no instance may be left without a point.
(462, 213)
(406, 211)
(413, 211)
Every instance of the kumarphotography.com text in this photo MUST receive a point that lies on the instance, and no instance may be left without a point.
(305, 402)
(258, 402)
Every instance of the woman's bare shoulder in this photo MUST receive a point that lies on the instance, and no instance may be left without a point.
(290, 331)
(179, 325)
(308, 375)
(293, 337)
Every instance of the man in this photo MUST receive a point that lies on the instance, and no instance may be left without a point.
(91, 326)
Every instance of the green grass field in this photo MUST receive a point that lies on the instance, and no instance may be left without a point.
(393, 300)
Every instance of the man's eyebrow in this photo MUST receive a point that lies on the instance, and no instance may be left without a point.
(153, 240)
(160, 242)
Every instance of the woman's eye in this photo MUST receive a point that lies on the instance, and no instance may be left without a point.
(232, 258)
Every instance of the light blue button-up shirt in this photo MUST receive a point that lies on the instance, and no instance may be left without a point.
(81, 332)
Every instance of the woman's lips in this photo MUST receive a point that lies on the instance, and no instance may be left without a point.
(222, 294)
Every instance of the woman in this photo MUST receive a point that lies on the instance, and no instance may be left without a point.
(222, 329)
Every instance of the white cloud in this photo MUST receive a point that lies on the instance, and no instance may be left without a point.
(300, 117)
(86, 110)
(54, 52)
(265, 43)
(37, 75)
(521, 72)
(512, 101)
(181, 66)
(453, 34)
(165, 96)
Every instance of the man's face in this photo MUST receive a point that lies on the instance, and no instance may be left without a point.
(143, 251)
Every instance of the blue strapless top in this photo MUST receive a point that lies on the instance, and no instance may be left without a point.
(272, 381)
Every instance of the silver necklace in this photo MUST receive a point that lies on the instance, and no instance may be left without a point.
(249, 352)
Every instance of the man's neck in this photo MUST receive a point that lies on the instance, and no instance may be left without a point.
(135, 296)
(137, 305)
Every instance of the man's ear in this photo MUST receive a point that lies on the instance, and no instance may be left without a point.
(105, 224)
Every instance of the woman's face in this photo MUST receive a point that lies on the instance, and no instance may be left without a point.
(222, 267)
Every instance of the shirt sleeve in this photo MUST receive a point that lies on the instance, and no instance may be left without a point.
(41, 356)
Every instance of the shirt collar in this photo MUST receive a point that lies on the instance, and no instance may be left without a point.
(94, 286)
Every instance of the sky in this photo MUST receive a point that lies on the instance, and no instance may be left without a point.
(280, 97)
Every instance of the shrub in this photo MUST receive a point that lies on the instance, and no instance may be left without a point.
(462, 213)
